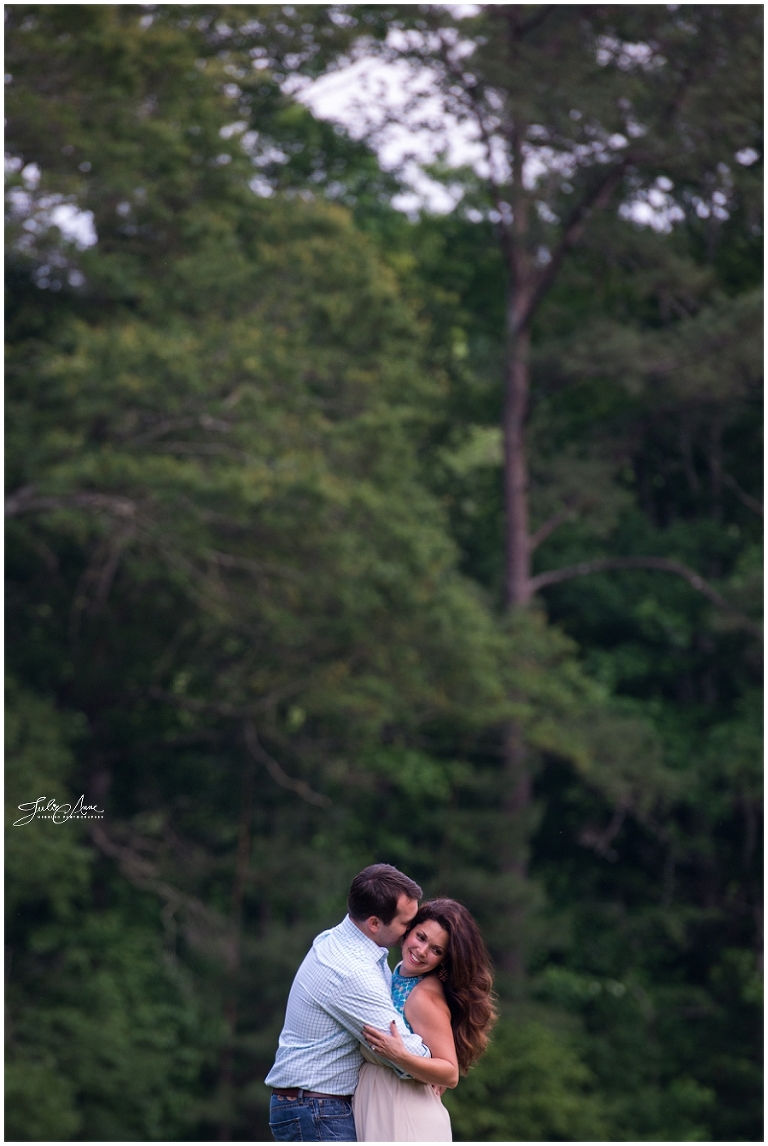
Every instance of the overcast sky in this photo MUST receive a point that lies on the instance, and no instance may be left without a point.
(368, 98)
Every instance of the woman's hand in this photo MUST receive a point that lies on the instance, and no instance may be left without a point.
(439, 1071)
(390, 1047)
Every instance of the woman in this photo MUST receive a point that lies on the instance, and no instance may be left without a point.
(442, 988)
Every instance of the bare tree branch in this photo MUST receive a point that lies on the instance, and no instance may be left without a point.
(600, 840)
(222, 708)
(745, 498)
(98, 576)
(46, 555)
(595, 198)
(201, 449)
(660, 564)
(205, 928)
(494, 182)
(252, 742)
(281, 777)
(179, 423)
(548, 527)
(25, 501)
(231, 561)
(539, 17)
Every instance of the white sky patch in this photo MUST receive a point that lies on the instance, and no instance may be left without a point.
(76, 225)
(370, 98)
(399, 110)
(39, 212)
(654, 207)
(373, 99)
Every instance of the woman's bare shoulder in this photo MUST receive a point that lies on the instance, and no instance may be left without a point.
(428, 995)
(431, 984)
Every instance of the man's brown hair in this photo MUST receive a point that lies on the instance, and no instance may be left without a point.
(376, 890)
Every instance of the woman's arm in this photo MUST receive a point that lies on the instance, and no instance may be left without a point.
(430, 1018)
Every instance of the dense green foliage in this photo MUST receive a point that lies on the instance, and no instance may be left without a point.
(254, 570)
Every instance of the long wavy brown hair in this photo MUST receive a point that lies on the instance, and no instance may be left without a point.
(467, 977)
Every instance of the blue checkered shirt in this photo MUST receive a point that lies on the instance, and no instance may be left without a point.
(343, 983)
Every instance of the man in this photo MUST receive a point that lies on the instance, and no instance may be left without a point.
(342, 985)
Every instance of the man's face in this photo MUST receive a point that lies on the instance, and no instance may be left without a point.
(389, 934)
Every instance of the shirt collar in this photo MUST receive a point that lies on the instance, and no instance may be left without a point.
(350, 930)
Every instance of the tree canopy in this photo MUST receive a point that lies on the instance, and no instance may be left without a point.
(258, 557)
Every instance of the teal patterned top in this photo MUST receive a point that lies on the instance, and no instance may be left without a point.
(402, 985)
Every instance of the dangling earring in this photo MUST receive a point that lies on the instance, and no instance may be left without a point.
(442, 974)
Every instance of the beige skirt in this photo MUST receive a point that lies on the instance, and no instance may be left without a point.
(391, 1109)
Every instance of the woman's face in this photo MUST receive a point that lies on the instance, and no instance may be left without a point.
(424, 948)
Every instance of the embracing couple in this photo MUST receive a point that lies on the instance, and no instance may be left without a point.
(366, 1053)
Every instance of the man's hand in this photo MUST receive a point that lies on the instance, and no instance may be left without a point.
(389, 1046)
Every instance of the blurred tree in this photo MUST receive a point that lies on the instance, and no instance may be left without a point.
(532, 1086)
(106, 1040)
(639, 881)
(241, 434)
(223, 555)
(574, 113)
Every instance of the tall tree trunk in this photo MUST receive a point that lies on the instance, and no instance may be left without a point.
(517, 380)
(518, 560)
(716, 469)
(233, 958)
(516, 803)
(516, 798)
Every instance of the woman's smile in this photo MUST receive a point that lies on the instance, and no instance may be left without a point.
(424, 948)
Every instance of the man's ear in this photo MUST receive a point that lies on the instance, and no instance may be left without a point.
(373, 923)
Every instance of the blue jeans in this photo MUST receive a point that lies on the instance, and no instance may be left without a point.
(311, 1119)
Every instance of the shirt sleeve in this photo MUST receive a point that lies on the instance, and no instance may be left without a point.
(359, 1002)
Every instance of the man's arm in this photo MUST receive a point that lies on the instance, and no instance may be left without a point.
(363, 1000)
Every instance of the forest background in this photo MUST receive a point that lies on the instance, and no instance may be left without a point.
(266, 604)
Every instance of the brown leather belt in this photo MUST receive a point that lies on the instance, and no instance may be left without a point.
(296, 1092)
